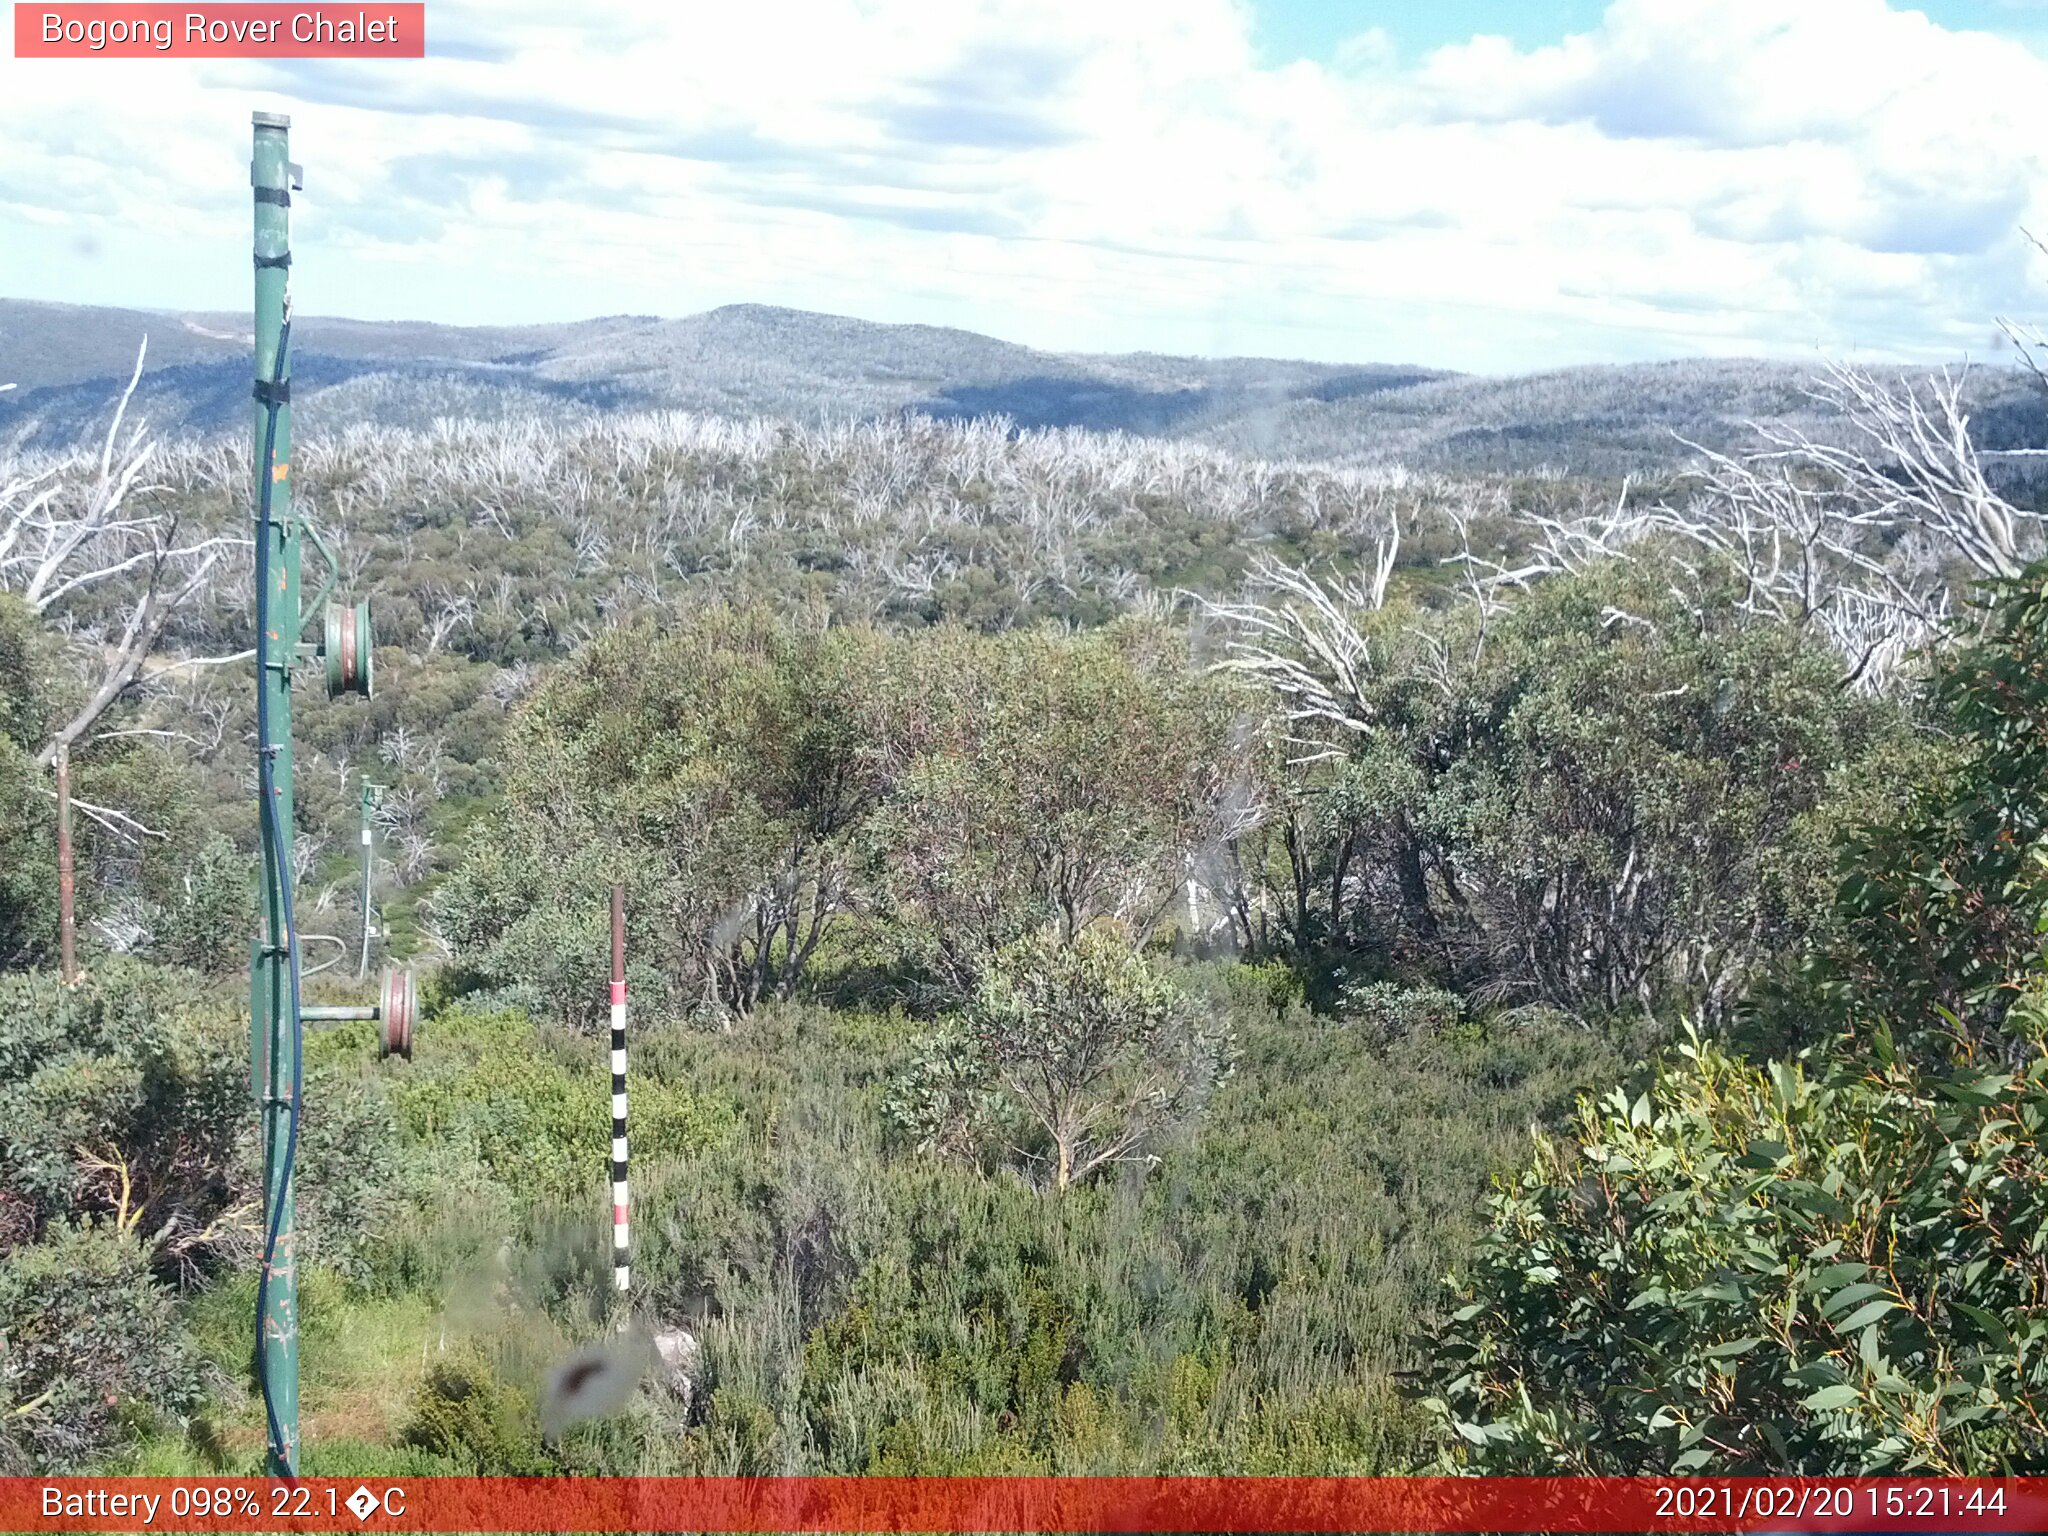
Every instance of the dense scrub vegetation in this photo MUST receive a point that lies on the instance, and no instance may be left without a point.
(1102, 916)
(1830, 1259)
(863, 1306)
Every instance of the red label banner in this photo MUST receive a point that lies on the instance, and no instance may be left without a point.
(1064, 1504)
(215, 31)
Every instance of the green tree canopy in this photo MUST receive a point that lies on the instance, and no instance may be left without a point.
(1938, 912)
(1830, 1263)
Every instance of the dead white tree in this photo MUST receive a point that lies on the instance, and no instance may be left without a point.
(1864, 539)
(450, 613)
(1811, 549)
(1302, 637)
(1552, 544)
(1315, 646)
(87, 546)
(1918, 465)
(2030, 341)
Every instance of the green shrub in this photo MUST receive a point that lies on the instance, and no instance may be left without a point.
(537, 1116)
(92, 1351)
(716, 768)
(1936, 917)
(28, 862)
(356, 1458)
(1823, 1266)
(754, 781)
(28, 821)
(1242, 1307)
(1043, 779)
(464, 1416)
(207, 925)
(356, 1179)
(1390, 1009)
(1079, 1054)
(140, 1074)
(1630, 794)
(1269, 985)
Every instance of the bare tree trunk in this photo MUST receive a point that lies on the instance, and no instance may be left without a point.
(1414, 883)
(67, 884)
(1345, 852)
(1304, 876)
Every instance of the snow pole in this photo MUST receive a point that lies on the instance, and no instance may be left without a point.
(620, 1202)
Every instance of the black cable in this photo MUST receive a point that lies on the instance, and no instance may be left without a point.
(266, 789)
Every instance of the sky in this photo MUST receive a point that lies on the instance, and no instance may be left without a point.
(1494, 185)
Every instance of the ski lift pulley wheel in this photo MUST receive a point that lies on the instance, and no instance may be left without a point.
(345, 645)
(397, 1008)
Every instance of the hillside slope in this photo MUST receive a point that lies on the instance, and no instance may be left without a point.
(740, 360)
(743, 360)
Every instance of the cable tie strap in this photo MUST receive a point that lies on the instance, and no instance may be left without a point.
(276, 195)
(274, 261)
(269, 393)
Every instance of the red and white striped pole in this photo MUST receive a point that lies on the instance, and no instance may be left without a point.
(619, 1199)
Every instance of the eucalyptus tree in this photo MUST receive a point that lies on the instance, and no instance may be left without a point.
(1072, 1054)
(1606, 783)
(1051, 780)
(712, 768)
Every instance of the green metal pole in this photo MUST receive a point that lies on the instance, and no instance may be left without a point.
(369, 841)
(270, 175)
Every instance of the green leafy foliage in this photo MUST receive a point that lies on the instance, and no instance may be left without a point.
(1624, 793)
(1394, 1010)
(1828, 1263)
(1939, 907)
(137, 826)
(464, 1416)
(835, 754)
(1241, 1307)
(1822, 1265)
(91, 1349)
(125, 1096)
(1046, 780)
(206, 927)
(716, 770)
(1084, 1048)
(357, 1181)
(755, 783)
(534, 1113)
(28, 845)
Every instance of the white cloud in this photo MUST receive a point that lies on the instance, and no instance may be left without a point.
(1691, 175)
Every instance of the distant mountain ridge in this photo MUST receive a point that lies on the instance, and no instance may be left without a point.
(69, 362)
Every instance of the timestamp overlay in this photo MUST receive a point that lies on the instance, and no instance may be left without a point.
(1066, 1504)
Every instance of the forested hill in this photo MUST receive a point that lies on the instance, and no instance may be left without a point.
(740, 360)
(752, 360)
